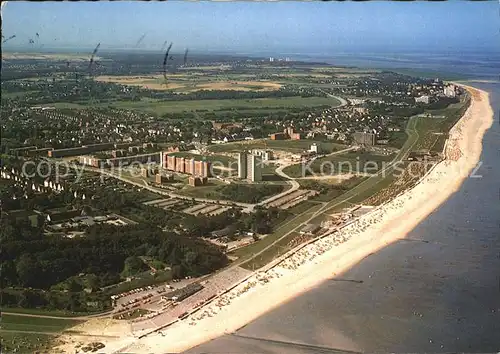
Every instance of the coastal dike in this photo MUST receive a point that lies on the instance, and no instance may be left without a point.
(330, 257)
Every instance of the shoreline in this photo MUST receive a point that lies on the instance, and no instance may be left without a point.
(334, 254)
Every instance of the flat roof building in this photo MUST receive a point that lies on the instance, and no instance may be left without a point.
(254, 168)
(242, 165)
(364, 138)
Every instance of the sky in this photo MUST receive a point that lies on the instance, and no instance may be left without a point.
(257, 27)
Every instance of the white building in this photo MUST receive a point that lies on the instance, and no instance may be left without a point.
(315, 148)
(265, 154)
(254, 168)
(449, 91)
(422, 99)
(242, 165)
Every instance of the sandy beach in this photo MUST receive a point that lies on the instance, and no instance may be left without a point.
(332, 254)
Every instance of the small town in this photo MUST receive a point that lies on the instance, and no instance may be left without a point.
(152, 198)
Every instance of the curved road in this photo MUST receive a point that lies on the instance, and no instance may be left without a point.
(245, 206)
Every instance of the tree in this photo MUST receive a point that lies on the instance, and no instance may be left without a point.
(190, 257)
(8, 272)
(177, 272)
(73, 286)
(27, 270)
(133, 265)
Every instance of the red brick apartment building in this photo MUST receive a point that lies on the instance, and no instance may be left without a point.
(188, 166)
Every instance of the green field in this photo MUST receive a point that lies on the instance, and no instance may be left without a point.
(286, 227)
(55, 313)
(302, 207)
(279, 248)
(376, 182)
(206, 191)
(36, 324)
(30, 334)
(350, 162)
(18, 94)
(433, 132)
(293, 146)
(161, 107)
(215, 190)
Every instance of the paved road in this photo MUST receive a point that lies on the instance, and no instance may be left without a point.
(343, 101)
(295, 186)
(59, 333)
(86, 317)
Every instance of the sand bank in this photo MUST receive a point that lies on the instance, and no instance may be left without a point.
(334, 253)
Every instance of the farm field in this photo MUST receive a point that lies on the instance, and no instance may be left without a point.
(190, 83)
(161, 107)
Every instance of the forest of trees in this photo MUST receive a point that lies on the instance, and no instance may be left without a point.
(32, 260)
(51, 271)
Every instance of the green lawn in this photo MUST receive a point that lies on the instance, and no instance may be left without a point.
(56, 313)
(36, 324)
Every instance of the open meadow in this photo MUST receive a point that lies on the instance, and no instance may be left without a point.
(161, 107)
(191, 82)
